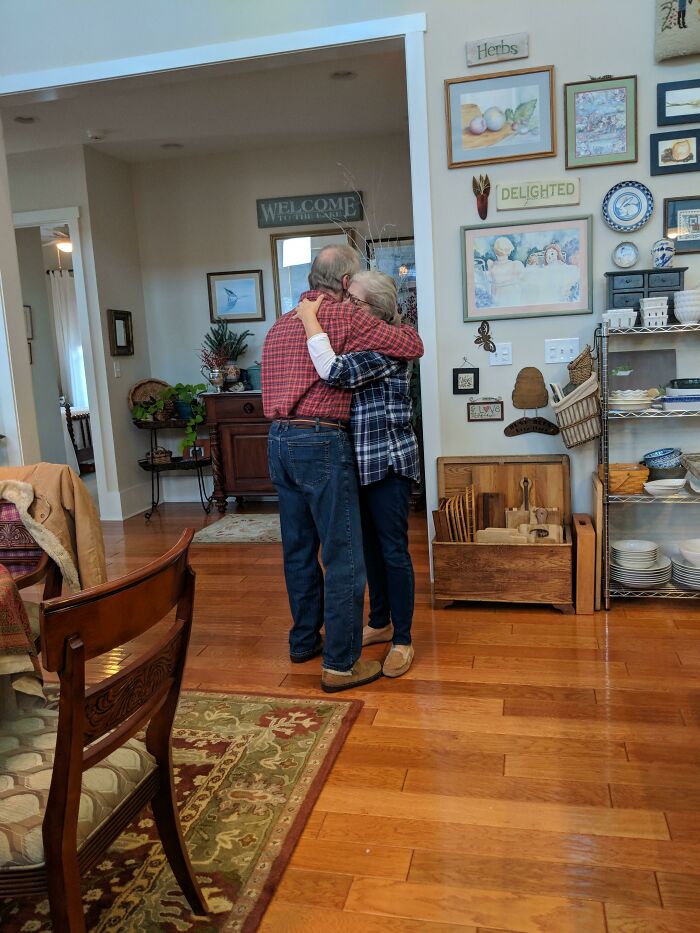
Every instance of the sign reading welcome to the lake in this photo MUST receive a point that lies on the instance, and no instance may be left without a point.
(309, 209)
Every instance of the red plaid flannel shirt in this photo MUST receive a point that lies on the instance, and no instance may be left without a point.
(291, 387)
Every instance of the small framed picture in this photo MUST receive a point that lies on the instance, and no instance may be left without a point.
(678, 102)
(31, 355)
(500, 117)
(121, 334)
(674, 152)
(600, 120)
(28, 322)
(236, 296)
(682, 223)
(465, 381)
(486, 410)
(199, 451)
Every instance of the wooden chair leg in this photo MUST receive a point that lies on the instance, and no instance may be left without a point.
(168, 824)
(65, 900)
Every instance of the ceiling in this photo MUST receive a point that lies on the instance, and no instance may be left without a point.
(283, 99)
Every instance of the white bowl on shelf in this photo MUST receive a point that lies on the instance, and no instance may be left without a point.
(689, 315)
(690, 551)
(664, 487)
(694, 483)
(634, 546)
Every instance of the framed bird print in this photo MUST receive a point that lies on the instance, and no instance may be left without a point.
(236, 297)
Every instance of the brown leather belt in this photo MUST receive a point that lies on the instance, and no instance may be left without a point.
(310, 423)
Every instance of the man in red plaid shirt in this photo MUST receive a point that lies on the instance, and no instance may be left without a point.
(312, 466)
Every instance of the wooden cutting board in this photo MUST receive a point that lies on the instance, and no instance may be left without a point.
(521, 516)
(491, 510)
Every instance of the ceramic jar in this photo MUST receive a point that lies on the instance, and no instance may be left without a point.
(662, 253)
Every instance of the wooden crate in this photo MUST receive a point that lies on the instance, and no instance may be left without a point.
(541, 573)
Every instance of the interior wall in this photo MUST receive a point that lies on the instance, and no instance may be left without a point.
(198, 215)
(45, 379)
(118, 277)
(579, 40)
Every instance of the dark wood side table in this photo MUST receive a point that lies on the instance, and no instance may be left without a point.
(238, 433)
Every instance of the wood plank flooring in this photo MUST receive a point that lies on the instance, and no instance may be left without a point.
(533, 773)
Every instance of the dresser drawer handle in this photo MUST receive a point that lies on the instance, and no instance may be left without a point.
(248, 408)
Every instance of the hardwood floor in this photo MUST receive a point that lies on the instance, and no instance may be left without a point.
(532, 773)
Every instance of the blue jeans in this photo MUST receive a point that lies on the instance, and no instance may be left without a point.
(313, 470)
(384, 509)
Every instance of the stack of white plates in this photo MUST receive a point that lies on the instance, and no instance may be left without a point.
(664, 487)
(630, 399)
(643, 579)
(685, 574)
(634, 554)
(686, 306)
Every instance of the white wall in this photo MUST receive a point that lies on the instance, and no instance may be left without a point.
(45, 379)
(118, 278)
(580, 40)
(198, 215)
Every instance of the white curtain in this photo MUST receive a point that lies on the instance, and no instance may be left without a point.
(70, 347)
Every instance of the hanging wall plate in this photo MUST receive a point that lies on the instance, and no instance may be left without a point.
(627, 206)
(625, 255)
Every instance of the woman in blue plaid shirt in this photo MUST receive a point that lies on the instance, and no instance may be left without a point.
(386, 450)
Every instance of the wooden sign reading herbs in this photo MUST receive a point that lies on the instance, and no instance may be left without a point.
(310, 209)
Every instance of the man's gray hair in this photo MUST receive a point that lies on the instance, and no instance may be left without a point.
(331, 264)
(380, 289)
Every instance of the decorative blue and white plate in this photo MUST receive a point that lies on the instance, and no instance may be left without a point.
(627, 206)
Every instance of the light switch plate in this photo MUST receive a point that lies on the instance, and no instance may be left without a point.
(117, 369)
(561, 351)
(503, 355)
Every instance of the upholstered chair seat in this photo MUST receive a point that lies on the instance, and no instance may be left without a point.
(27, 746)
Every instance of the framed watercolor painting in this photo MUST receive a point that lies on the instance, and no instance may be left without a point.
(397, 258)
(501, 117)
(682, 223)
(678, 102)
(673, 152)
(600, 122)
(236, 296)
(529, 269)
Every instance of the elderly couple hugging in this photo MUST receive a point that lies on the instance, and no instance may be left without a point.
(342, 456)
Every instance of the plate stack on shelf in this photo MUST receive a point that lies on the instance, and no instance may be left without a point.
(685, 574)
(636, 564)
(686, 306)
(630, 400)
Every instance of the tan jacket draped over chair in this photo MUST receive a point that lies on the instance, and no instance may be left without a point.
(57, 510)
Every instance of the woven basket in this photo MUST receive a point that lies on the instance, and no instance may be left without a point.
(146, 390)
(159, 455)
(581, 368)
(625, 479)
(578, 415)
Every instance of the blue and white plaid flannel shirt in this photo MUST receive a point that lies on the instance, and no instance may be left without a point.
(380, 416)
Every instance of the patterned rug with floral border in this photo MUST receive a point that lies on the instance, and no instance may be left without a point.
(248, 770)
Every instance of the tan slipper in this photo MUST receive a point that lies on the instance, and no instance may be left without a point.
(377, 636)
(363, 672)
(398, 660)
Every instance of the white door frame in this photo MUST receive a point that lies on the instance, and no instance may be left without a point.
(69, 217)
(412, 28)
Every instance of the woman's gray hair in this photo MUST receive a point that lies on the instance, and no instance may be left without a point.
(331, 265)
(380, 289)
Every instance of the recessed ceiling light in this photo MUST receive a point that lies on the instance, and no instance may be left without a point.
(24, 120)
(343, 75)
(171, 146)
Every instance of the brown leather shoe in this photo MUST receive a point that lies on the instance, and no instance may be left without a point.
(377, 636)
(363, 672)
(398, 661)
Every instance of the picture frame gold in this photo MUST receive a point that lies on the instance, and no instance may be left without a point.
(601, 86)
(491, 84)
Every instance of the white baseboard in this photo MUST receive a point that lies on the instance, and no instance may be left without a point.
(135, 499)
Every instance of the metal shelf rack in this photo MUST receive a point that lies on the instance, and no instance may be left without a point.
(603, 335)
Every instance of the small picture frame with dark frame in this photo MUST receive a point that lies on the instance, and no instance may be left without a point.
(236, 297)
(673, 152)
(121, 333)
(465, 381)
(199, 451)
(678, 102)
(682, 222)
(487, 409)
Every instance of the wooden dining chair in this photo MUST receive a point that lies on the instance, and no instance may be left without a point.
(61, 831)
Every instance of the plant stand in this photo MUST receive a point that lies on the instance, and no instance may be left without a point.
(176, 464)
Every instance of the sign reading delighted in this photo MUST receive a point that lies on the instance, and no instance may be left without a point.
(549, 193)
(310, 209)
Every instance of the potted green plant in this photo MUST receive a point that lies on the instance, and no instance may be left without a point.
(224, 344)
(189, 408)
(147, 410)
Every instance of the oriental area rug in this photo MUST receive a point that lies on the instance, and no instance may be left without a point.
(241, 529)
(248, 770)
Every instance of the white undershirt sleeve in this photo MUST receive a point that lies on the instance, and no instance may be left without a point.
(322, 354)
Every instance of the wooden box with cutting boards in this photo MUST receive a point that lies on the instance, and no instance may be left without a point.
(511, 540)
